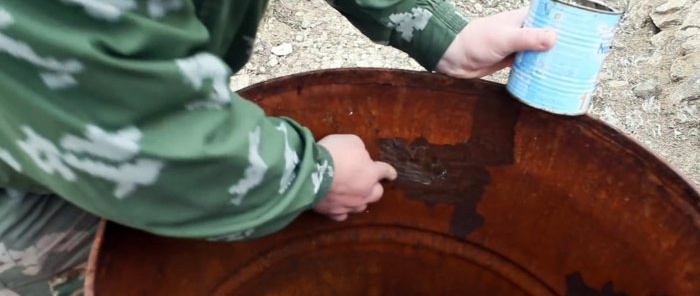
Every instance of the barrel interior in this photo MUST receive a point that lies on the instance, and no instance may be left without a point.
(493, 198)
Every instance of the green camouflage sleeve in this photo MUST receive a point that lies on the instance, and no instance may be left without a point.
(422, 28)
(119, 109)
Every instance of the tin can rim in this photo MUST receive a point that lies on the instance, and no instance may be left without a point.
(611, 10)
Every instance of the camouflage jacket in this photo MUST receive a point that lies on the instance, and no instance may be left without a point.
(122, 107)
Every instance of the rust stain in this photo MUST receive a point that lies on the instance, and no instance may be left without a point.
(456, 174)
(440, 174)
(575, 286)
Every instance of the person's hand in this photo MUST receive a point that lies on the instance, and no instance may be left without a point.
(356, 177)
(487, 45)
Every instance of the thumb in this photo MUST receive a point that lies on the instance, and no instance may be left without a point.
(522, 39)
(385, 170)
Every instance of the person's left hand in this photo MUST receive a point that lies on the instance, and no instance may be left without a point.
(487, 45)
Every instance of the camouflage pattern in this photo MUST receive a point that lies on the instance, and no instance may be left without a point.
(121, 109)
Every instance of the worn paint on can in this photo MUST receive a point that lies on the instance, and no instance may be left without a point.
(563, 79)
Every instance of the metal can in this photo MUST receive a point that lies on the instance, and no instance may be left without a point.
(563, 79)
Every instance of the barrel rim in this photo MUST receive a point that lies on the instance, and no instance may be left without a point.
(94, 259)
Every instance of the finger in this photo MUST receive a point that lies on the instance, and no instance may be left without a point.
(385, 170)
(339, 218)
(347, 209)
(376, 194)
(360, 209)
(522, 39)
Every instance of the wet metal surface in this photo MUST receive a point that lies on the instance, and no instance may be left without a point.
(493, 198)
(440, 174)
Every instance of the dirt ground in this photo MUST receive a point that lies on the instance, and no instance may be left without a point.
(649, 88)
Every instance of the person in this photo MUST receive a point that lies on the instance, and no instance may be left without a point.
(120, 109)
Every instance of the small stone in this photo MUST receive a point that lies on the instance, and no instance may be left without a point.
(647, 89)
(670, 6)
(685, 66)
(617, 83)
(685, 34)
(299, 38)
(662, 38)
(665, 22)
(691, 45)
(689, 90)
(693, 18)
(239, 81)
(282, 49)
(657, 58)
(305, 24)
(273, 61)
(668, 15)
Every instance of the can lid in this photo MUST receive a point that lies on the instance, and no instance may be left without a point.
(595, 6)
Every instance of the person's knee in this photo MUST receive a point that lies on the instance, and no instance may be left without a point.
(41, 237)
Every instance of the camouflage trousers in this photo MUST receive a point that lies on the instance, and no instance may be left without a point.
(44, 245)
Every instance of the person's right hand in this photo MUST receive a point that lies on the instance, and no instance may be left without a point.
(356, 180)
(488, 44)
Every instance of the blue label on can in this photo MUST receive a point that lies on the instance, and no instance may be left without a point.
(562, 80)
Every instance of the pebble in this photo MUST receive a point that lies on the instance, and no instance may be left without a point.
(617, 83)
(669, 15)
(693, 18)
(239, 81)
(282, 49)
(662, 38)
(273, 61)
(647, 89)
(689, 90)
(685, 66)
(691, 45)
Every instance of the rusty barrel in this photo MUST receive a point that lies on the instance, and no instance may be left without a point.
(493, 198)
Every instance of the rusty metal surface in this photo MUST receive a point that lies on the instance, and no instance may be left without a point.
(493, 198)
